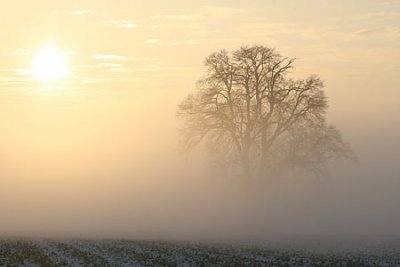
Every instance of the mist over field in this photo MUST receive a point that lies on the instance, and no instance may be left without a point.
(108, 182)
(97, 157)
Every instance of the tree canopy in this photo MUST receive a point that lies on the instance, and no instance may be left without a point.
(250, 113)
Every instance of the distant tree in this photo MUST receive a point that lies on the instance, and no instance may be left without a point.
(250, 113)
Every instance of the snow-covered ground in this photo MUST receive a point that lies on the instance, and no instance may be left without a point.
(29, 252)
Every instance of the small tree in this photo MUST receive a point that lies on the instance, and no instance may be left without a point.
(250, 113)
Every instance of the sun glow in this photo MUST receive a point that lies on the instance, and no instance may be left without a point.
(50, 65)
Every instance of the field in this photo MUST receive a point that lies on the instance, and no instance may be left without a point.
(30, 252)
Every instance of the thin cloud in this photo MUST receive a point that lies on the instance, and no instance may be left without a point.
(176, 17)
(16, 72)
(369, 31)
(84, 12)
(126, 24)
(110, 65)
(112, 57)
(111, 80)
(144, 68)
(18, 53)
(15, 80)
(377, 15)
(203, 17)
(152, 41)
(389, 32)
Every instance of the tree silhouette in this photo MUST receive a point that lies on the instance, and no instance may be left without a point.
(250, 113)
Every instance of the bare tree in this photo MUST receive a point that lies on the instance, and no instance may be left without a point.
(250, 113)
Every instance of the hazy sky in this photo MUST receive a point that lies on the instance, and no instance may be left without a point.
(81, 143)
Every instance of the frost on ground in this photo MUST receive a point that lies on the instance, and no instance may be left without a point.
(28, 252)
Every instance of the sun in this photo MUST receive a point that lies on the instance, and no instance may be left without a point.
(50, 64)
